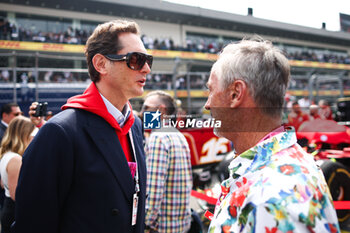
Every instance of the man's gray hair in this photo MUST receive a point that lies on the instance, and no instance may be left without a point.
(263, 67)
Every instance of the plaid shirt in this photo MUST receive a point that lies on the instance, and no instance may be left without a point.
(169, 182)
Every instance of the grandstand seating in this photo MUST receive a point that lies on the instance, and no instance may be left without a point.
(181, 40)
(194, 42)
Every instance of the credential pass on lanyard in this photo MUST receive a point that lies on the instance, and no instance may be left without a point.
(135, 198)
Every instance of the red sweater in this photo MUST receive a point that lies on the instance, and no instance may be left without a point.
(92, 101)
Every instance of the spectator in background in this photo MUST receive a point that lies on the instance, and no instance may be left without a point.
(5, 29)
(180, 111)
(5, 76)
(47, 76)
(314, 112)
(16, 139)
(8, 112)
(85, 170)
(48, 115)
(38, 121)
(288, 101)
(325, 110)
(297, 116)
(287, 105)
(169, 172)
(304, 102)
(274, 185)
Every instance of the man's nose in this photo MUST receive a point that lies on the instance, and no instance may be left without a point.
(146, 69)
(207, 105)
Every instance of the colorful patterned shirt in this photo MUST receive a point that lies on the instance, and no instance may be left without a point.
(275, 187)
(169, 182)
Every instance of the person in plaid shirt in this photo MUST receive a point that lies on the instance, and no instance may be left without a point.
(169, 172)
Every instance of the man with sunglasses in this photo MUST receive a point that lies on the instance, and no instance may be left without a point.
(85, 170)
(8, 112)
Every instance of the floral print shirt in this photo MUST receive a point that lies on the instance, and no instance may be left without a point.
(275, 187)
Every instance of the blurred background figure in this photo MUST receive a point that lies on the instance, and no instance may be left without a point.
(181, 113)
(48, 115)
(38, 120)
(16, 139)
(325, 110)
(297, 116)
(5, 76)
(8, 112)
(314, 112)
(304, 102)
(288, 101)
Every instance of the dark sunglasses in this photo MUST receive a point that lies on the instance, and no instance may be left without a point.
(134, 60)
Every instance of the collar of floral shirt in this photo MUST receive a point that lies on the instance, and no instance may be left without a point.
(273, 143)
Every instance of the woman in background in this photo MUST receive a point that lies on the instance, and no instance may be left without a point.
(17, 137)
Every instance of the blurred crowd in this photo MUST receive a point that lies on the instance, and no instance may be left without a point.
(72, 35)
(163, 81)
(311, 56)
(47, 77)
(10, 31)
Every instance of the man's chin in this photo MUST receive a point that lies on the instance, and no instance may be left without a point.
(138, 92)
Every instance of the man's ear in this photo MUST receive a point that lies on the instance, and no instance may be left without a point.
(237, 91)
(100, 62)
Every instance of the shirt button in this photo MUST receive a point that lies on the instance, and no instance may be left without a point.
(115, 212)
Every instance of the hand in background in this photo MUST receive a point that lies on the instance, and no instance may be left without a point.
(38, 121)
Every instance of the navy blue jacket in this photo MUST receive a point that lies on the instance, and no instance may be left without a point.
(75, 178)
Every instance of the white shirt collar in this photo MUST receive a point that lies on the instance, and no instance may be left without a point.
(34, 132)
(4, 123)
(119, 116)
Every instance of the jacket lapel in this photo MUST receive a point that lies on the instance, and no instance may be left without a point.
(108, 143)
